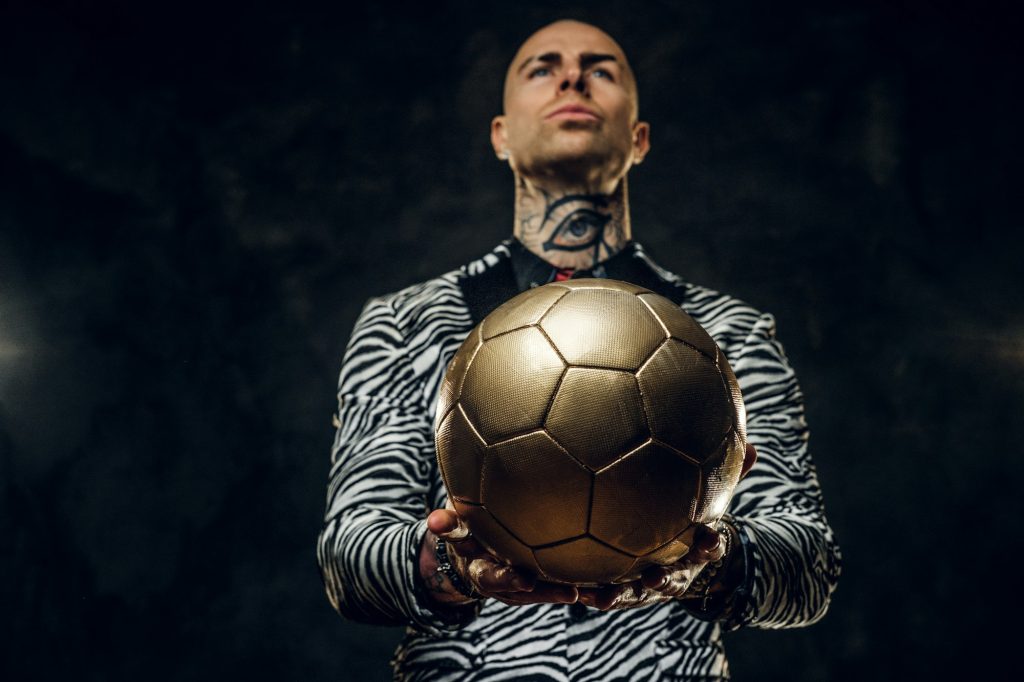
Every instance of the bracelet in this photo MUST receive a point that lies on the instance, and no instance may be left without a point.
(447, 569)
(736, 601)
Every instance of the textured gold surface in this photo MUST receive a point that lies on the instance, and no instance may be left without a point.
(736, 397)
(644, 500)
(600, 413)
(525, 309)
(603, 328)
(721, 473)
(673, 550)
(460, 454)
(605, 284)
(536, 489)
(451, 386)
(685, 398)
(643, 398)
(495, 538)
(680, 325)
(583, 561)
(509, 384)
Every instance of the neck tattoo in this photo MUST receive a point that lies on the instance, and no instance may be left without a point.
(572, 230)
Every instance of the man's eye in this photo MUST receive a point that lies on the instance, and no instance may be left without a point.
(540, 71)
(603, 73)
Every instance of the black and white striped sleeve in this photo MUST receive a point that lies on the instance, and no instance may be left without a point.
(379, 479)
(778, 507)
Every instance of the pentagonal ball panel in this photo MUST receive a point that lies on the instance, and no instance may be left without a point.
(685, 398)
(604, 328)
(509, 384)
(460, 456)
(600, 283)
(680, 325)
(583, 561)
(535, 489)
(597, 415)
(451, 386)
(496, 538)
(644, 500)
(721, 474)
(523, 310)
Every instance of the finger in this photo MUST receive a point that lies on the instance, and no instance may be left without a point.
(449, 525)
(708, 545)
(490, 576)
(605, 597)
(467, 549)
(535, 597)
(672, 581)
(749, 459)
(676, 584)
(543, 593)
(654, 577)
(442, 521)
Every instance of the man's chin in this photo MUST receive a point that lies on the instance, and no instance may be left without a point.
(581, 158)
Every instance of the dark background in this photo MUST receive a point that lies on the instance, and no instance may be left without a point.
(195, 202)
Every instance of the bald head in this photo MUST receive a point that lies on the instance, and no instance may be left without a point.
(570, 110)
(563, 40)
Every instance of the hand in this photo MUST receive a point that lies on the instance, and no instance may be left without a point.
(660, 583)
(480, 569)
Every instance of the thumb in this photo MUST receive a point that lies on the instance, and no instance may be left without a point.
(447, 524)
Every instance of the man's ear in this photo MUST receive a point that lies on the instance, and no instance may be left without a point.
(749, 457)
(499, 137)
(641, 140)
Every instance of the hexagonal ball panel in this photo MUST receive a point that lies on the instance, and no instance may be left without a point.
(721, 474)
(680, 325)
(685, 398)
(597, 415)
(644, 500)
(535, 489)
(509, 384)
(603, 328)
(460, 455)
(454, 375)
(523, 310)
(496, 538)
(583, 561)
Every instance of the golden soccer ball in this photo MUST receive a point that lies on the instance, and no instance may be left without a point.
(583, 429)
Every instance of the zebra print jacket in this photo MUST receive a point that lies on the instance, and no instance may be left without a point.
(384, 480)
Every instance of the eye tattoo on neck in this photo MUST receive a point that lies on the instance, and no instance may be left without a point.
(578, 224)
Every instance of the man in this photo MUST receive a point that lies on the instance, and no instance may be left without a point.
(570, 134)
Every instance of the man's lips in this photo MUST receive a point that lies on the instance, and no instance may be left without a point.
(574, 111)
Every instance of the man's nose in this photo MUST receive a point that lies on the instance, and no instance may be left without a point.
(573, 79)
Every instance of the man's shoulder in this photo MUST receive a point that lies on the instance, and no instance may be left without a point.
(445, 290)
(723, 315)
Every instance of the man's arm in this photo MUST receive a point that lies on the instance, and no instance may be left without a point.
(381, 464)
(778, 509)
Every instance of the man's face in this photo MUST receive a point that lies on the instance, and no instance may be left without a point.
(570, 107)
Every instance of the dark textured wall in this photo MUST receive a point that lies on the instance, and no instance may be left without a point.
(196, 201)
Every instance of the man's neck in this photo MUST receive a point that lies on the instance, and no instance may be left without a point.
(571, 227)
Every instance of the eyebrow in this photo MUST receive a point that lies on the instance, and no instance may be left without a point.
(587, 59)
